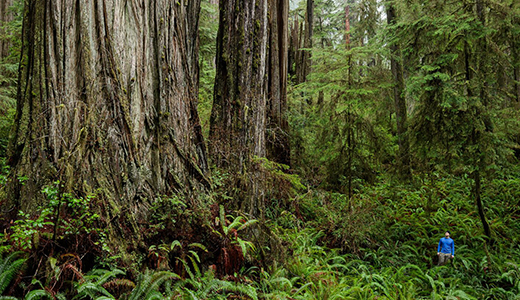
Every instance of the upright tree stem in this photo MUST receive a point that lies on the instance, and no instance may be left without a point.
(403, 158)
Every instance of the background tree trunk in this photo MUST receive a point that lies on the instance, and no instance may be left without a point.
(477, 138)
(403, 159)
(278, 148)
(294, 47)
(5, 16)
(238, 117)
(347, 27)
(107, 100)
(303, 63)
(515, 52)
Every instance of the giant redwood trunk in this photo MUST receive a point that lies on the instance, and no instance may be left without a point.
(238, 117)
(107, 100)
(278, 148)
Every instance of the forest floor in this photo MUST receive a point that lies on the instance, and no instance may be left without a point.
(379, 244)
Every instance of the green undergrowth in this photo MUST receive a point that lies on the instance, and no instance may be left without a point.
(382, 243)
(379, 244)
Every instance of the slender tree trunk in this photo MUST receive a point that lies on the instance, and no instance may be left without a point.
(351, 148)
(303, 62)
(482, 87)
(515, 52)
(277, 126)
(350, 118)
(293, 48)
(516, 72)
(238, 117)
(107, 100)
(309, 33)
(480, 206)
(347, 27)
(347, 44)
(400, 103)
(476, 155)
(321, 99)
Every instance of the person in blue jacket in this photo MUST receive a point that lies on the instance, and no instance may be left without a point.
(446, 249)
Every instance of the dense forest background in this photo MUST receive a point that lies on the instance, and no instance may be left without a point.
(259, 149)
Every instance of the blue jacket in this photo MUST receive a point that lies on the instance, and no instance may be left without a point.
(447, 246)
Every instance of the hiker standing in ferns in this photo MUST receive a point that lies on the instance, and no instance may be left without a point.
(446, 249)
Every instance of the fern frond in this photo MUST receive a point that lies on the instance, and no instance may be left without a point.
(284, 282)
(39, 294)
(60, 296)
(175, 244)
(198, 245)
(222, 216)
(109, 274)
(119, 284)
(244, 245)
(91, 290)
(242, 290)
(93, 282)
(186, 267)
(9, 268)
(194, 259)
(234, 225)
(194, 255)
(221, 286)
(247, 224)
(148, 285)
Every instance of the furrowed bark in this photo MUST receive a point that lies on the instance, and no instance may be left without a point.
(107, 101)
(238, 118)
(278, 148)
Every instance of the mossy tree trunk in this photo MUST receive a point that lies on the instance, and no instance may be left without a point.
(107, 101)
(278, 148)
(238, 117)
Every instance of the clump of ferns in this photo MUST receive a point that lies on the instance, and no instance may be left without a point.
(184, 259)
(233, 249)
(152, 285)
(103, 284)
(10, 267)
(208, 286)
(60, 276)
(98, 283)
